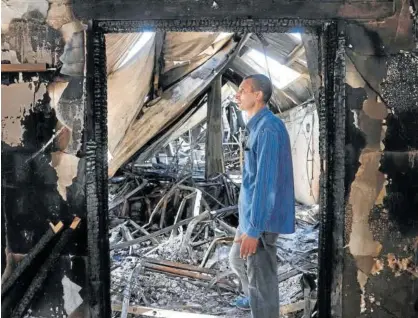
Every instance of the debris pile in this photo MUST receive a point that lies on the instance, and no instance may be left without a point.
(170, 239)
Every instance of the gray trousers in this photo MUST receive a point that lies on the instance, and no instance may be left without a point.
(258, 275)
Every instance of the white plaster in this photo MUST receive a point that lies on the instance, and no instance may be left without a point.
(72, 298)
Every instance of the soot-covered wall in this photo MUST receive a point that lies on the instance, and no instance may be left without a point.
(42, 146)
(381, 221)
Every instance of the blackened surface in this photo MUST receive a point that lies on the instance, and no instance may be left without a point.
(206, 25)
(351, 288)
(395, 224)
(401, 92)
(355, 139)
(97, 176)
(331, 113)
(28, 261)
(30, 195)
(49, 301)
(41, 275)
(32, 30)
(366, 51)
(169, 9)
(393, 295)
(8, 78)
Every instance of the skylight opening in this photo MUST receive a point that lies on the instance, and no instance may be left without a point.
(297, 36)
(281, 75)
(145, 37)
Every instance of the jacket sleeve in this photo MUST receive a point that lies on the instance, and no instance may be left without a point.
(264, 195)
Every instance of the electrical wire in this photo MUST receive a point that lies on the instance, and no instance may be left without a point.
(268, 71)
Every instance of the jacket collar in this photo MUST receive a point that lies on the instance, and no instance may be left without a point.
(252, 123)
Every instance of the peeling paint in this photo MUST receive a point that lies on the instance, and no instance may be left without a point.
(400, 265)
(362, 280)
(364, 191)
(377, 267)
(55, 90)
(59, 13)
(17, 100)
(66, 167)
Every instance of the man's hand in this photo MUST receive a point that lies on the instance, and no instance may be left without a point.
(248, 245)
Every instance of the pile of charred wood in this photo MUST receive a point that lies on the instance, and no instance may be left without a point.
(170, 238)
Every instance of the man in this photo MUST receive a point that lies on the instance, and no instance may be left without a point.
(266, 203)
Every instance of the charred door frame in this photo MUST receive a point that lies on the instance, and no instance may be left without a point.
(331, 110)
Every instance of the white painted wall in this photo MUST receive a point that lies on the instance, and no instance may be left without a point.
(303, 126)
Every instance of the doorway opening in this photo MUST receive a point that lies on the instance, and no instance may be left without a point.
(167, 160)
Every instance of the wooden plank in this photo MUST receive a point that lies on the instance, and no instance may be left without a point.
(214, 149)
(180, 265)
(310, 43)
(155, 312)
(294, 307)
(159, 62)
(25, 67)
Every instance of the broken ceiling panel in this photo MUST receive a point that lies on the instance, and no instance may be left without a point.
(185, 46)
(174, 102)
(118, 46)
(204, 47)
(127, 86)
(278, 46)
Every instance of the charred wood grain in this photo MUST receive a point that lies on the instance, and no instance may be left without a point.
(38, 281)
(96, 176)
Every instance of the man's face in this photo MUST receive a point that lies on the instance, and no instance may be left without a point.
(246, 97)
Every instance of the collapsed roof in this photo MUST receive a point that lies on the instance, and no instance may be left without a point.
(157, 81)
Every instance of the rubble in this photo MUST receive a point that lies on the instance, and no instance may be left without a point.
(170, 238)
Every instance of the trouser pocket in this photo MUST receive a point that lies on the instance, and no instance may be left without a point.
(268, 239)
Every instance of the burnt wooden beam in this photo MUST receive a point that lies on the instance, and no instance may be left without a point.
(38, 282)
(310, 43)
(29, 258)
(158, 63)
(214, 153)
(25, 67)
(15, 285)
(244, 9)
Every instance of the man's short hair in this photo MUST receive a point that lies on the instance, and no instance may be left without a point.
(261, 83)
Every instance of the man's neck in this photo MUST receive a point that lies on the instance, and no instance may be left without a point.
(255, 110)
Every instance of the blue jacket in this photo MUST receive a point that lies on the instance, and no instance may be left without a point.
(267, 198)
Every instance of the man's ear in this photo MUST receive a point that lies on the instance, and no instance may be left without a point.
(260, 96)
